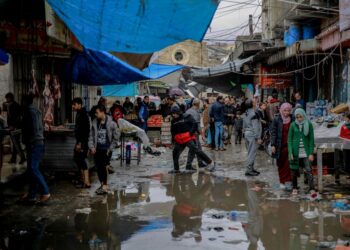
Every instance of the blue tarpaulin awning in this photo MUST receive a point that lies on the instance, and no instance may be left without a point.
(92, 67)
(129, 89)
(135, 26)
(4, 58)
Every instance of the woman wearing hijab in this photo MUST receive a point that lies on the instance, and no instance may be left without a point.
(279, 142)
(301, 146)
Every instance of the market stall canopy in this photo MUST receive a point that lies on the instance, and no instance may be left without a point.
(129, 89)
(223, 78)
(92, 67)
(135, 26)
(139, 61)
(4, 57)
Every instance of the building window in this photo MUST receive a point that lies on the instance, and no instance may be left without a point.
(179, 56)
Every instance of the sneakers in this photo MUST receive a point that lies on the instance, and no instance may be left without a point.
(101, 191)
(211, 167)
(151, 152)
(251, 173)
(255, 171)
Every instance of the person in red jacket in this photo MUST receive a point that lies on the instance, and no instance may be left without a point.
(183, 128)
(345, 129)
(345, 135)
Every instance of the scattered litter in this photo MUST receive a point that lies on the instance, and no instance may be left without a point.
(233, 228)
(315, 213)
(217, 216)
(338, 196)
(241, 205)
(341, 206)
(313, 197)
(212, 239)
(38, 219)
(218, 229)
(195, 217)
(23, 232)
(256, 189)
(241, 216)
(311, 214)
(86, 210)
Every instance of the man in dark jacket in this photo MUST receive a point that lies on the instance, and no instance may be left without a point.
(144, 113)
(128, 105)
(217, 114)
(33, 138)
(183, 129)
(82, 131)
(261, 112)
(13, 123)
(229, 112)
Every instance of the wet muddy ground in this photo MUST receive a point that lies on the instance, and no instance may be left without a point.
(150, 209)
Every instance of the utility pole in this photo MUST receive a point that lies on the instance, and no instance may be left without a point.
(251, 25)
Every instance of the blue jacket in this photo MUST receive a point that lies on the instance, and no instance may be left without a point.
(302, 103)
(143, 113)
(217, 112)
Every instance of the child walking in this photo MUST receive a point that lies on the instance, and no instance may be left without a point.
(301, 146)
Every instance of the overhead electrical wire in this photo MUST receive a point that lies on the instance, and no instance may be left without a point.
(288, 72)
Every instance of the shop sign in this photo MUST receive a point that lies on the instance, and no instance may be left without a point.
(268, 81)
(30, 36)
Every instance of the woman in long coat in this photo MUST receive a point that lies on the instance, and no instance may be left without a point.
(301, 145)
(279, 142)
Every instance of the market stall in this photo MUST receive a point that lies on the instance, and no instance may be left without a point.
(327, 125)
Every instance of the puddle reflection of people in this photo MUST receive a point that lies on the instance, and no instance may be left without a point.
(254, 227)
(282, 224)
(191, 200)
(135, 194)
(99, 228)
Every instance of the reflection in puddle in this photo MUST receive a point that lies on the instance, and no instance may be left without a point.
(188, 211)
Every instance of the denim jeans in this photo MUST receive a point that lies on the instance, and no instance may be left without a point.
(208, 136)
(143, 125)
(219, 134)
(37, 181)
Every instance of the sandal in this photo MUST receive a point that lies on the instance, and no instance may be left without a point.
(295, 192)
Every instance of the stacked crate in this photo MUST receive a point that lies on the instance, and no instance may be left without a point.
(166, 133)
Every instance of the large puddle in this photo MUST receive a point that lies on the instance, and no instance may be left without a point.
(187, 212)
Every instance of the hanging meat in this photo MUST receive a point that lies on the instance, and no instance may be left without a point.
(56, 88)
(35, 88)
(49, 103)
